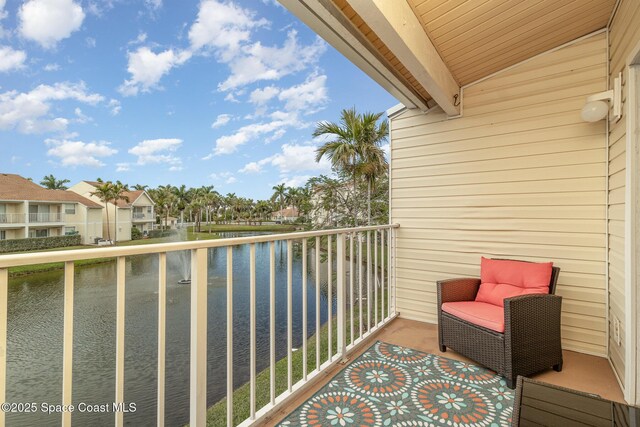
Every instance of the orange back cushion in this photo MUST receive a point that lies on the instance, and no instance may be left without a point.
(502, 279)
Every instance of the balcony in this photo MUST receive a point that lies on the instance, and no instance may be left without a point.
(342, 282)
(12, 218)
(142, 217)
(46, 217)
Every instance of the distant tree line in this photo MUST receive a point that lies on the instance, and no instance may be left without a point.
(356, 195)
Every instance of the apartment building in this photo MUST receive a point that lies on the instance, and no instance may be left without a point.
(29, 210)
(137, 211)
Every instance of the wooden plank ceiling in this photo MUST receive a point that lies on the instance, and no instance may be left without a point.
(476, 38)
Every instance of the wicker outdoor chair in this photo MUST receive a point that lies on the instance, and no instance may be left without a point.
(531, 338)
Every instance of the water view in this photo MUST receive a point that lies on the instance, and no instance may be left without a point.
(35, 320)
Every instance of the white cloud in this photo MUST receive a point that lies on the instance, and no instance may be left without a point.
(307, 97)
(3, 13)
(81, 117)
(52, 67)
(152, 151)
(227, 177)
(296, 180)
(49, 21)
(224, 29)
(147, 68)
(115, 106)
(228, 144)
(256, 62)
(221, 120)
(29, 112)
(297, 158)
(142, 37)
(224, 26)
(264, 95)
(11, 59)
(292, 159)
(78, 153)
(253, 167)
(90, 42)
(123, 167)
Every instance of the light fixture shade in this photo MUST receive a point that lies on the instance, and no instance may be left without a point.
(594, 111)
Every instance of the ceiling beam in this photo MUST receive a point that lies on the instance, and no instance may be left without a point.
(329, 23)
(395, 23)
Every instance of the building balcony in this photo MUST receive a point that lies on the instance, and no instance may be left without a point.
(291, 341)
(341, 282)
(142, 217)
(12, 218)
(46, 217)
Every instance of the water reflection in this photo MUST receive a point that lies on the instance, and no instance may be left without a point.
(35, 325)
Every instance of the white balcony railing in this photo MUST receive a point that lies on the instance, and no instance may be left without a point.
(142, 216)
(352, 249)
(12, 218)
(46, 217)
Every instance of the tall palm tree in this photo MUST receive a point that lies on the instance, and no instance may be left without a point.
(342, 150)
(105, 193)
(356, 142)
(50, 182)
(279, 195)
(108, 192)
(373, 162)
(165, 199)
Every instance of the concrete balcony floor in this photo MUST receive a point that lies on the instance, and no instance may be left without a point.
(582, 372)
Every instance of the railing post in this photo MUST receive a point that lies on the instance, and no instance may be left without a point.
(4, 294)
(341, 297)
(162, 315)
(198, 362)
(67, 346)
(120, 319)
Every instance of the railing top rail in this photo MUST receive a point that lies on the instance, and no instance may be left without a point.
(15, 260)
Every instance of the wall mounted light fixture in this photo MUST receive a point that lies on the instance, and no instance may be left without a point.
(596, 108)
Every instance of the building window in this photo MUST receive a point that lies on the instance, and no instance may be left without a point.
(3, 235)
(69, 231)
(148, 209)
(70, 208)
(39, 233)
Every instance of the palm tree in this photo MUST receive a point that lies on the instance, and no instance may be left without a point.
(373, 162)
(165, 200)
(279, 195)
(140, 187)
(108, 192)
(182, 196)
(342, 151)
(50, 182)
(356, 143)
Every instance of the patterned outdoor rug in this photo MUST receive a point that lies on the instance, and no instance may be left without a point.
(389, 385)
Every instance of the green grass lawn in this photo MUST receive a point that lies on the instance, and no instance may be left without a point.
(217, 414)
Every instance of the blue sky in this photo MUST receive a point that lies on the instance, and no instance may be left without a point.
(222, 93)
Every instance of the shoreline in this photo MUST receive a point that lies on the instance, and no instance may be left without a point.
(208, 232)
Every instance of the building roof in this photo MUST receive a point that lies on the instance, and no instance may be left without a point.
(132, 195)
(286, 213)
(15, 187)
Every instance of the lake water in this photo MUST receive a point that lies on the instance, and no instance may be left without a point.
(35, 326)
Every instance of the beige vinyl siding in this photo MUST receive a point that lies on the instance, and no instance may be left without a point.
(623, 36)
(519, 176)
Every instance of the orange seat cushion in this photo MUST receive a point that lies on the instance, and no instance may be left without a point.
(502, 279)
(483, 314)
